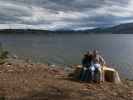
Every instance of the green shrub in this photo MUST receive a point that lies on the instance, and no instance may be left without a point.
(3, 54)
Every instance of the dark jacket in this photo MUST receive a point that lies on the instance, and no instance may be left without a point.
(86, 62)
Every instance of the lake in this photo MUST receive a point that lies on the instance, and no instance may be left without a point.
(66, 49)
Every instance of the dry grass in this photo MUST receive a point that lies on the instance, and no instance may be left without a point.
(23, 81)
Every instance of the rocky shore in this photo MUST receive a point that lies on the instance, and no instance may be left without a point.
(20, 80)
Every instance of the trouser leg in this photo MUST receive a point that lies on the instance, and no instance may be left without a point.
(97, 75)
(82, 75)
(88, 76)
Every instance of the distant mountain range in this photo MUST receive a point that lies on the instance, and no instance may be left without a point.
(119, 29)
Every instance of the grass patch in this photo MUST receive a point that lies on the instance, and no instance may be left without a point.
(3, 55)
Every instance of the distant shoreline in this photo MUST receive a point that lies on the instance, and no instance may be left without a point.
(118, 29)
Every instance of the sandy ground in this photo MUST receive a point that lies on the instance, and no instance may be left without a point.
(26, 81)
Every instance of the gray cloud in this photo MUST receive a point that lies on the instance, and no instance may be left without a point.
(58, 14)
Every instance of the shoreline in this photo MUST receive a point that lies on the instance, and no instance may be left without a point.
(20, 80)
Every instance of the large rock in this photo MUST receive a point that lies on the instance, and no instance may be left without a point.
(107, 74)
(110, 75)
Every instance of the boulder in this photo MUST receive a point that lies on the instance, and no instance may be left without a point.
(107, 74)
(110, 75)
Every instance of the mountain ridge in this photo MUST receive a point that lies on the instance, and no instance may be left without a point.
(118, 29)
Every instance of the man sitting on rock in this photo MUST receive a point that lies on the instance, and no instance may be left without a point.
(85, 74)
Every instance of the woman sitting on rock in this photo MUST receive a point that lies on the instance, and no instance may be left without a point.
(97, 63)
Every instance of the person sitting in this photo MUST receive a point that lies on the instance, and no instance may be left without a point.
(98, 63)
(86, 62)
(93, 69)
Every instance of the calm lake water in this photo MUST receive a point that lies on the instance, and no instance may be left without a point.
(68, 49)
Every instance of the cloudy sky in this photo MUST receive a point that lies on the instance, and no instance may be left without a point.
(64, 14)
